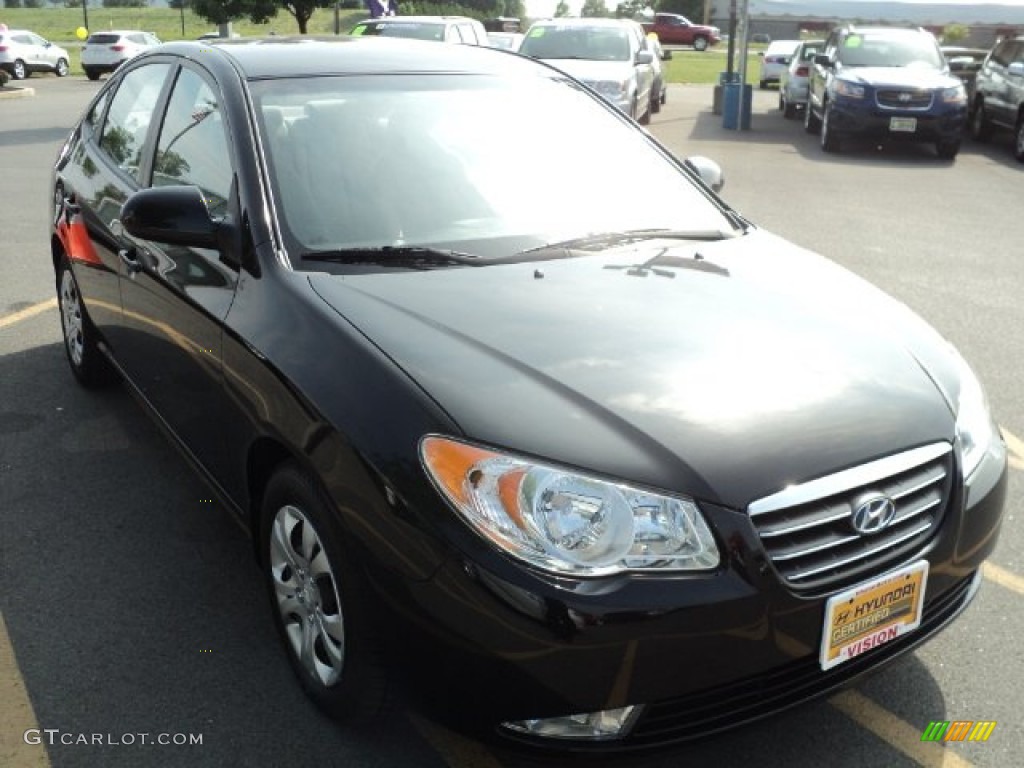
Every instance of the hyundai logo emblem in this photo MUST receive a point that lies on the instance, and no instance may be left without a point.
(904, 97)
(872, 513)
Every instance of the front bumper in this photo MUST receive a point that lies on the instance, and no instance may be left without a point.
(492, 642)
(863, 117)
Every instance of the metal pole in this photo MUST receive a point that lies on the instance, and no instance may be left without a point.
(182, 18)
(85, 13)
(744, 26)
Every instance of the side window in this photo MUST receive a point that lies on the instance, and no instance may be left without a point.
(454, 34)
(1001, 55)
(193, 147)
(96, 113)
(1017, 55)
(131, 112)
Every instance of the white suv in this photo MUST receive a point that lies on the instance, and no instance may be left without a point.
(23, 52)
(106, 51)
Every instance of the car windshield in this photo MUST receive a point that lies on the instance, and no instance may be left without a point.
(577, 42)
(861, 50)
(414, 30)
(480, 164)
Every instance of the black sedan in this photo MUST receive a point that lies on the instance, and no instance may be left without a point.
(573, 446)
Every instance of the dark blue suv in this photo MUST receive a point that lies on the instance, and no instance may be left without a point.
(885, 82)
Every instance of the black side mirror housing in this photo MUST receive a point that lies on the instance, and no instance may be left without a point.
(176, 215)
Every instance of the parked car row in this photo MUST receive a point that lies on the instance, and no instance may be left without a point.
(23, 52)
(899, 83)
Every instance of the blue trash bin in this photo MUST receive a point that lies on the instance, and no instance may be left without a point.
(731, 95)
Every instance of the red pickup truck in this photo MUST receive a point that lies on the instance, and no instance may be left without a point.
(673, 29)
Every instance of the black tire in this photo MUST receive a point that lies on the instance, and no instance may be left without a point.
(645, 118)
(763, 85)
(88, 364)
(789, 112)
(782, 102)
(829, 137)
(656, 99)
(1018, 140)
(311, 576)
(981, 128)
(811, 122)
(948, 150)
(62, 68)
(18, 70)
(700, 44)
(92, 74)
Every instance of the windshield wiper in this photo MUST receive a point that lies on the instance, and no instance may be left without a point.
(606, 239)
(396, 255)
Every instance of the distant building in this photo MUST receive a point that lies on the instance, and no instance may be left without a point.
(987, 22)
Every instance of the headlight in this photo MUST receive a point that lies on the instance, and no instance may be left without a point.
(612, 89)
(955, 95)
(844, 88)
(566, 522)
(974, 427)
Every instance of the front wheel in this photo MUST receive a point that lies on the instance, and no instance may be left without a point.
(87, 363)
(981, 128)
(829, 137)
(62, 68)
(947, 150)
(317, 596)
(811, 122)
(700, 44)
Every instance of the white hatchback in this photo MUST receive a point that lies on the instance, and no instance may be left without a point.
(23, 52)
(106, 51)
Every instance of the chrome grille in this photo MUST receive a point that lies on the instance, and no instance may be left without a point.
(904, 98)
(807, 529)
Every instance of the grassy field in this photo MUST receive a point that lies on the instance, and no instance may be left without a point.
(59, 25)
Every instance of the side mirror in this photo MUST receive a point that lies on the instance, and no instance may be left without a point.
(822, 59)
(644, 57)
(176, 215)
(709, 171)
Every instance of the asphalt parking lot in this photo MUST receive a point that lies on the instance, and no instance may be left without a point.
(131, 604)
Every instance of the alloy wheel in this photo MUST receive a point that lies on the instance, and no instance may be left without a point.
(71, 317)
(307, 596)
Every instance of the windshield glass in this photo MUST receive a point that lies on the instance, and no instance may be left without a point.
(413, 30)
(864, 50)
(481, 164)
(576, 42)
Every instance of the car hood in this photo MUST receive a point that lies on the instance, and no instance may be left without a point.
(724, 370)
(590, 71)
(899, 77)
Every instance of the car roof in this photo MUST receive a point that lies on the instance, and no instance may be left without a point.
(272, 57)
(415, 19)
(571, 21)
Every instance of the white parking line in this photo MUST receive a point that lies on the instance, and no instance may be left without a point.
(457, 751)
(25, 314)
(1016, 447)
(895, 732)
(16, 713)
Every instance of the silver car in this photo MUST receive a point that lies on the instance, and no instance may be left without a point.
(793, 85)
(23, 52)
(609, 55)
(106, 51)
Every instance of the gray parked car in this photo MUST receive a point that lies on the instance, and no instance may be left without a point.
(999, 94)
(793, 82)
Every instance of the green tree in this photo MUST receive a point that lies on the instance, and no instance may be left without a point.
(12, 4)
(630, 9)
(691, 9)
(562, 9)
(117, 3)
(223, 11)
(954, 33)
(594, 9)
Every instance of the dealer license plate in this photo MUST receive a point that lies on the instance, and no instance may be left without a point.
(903, 124)
(873, 614)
